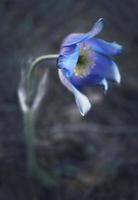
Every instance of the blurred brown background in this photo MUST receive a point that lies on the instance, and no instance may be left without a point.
(97, 154)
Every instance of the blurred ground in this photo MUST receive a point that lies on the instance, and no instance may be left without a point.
(97, 155)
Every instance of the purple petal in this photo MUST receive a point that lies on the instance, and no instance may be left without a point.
(68, 59)
(106, 68)
(106, 48)
(79, 37)
(81, 100)
(97, 28)
(90, 80)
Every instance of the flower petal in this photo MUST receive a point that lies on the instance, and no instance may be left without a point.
(81, 100)
(68, 59)
(104, 83)
(106, 68)
(97, 28)
(79, 37)
(90, 80)
(106, 48)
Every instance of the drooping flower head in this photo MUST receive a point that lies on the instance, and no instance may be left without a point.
(87, 61)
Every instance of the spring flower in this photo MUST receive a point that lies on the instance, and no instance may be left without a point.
(87, 61)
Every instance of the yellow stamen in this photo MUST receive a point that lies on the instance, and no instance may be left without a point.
(84, 63)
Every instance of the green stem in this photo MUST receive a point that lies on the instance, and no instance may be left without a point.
(29, 134)
(32, 166)
(29, 126)
(28, 118)
(35, 64)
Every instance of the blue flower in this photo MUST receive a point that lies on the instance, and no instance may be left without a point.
(87, 61)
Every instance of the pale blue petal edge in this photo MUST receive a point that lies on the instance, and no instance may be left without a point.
(104, 47)
(106, 68)
(75, 38)
(82, 101)
(68, 59)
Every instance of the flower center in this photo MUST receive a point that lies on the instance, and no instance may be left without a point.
(85, 62)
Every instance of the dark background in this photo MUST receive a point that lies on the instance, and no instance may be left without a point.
(99, 153)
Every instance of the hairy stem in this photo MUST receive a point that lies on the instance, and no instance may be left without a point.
(29, 125)
(29, 134)
(33, 66)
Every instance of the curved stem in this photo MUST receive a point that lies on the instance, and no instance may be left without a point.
(34, 65)
(29, 126)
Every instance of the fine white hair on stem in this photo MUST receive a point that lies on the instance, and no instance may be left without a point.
(40, 92)
(22, 93)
